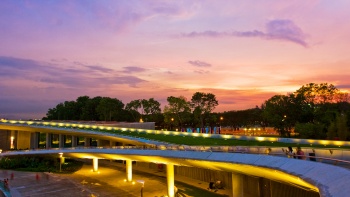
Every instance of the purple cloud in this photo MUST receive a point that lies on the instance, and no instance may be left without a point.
(133, 69)
(275, 30)
(343, 86)
(99, 68)
(94, 67)
(254, 33)
(205, 34)
(78, 75)
(199, 63)
(16, 63)
(55, 17)
(130, 80)
(285, 30)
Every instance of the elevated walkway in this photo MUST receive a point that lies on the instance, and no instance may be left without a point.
(327, 179)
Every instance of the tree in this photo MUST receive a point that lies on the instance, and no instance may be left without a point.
(202, 104)
(133, 108)
(311, 104)
(310, 130)
(150, 108)
(319, 93)
(89, 110)
(70, 110)
(243, 118)
(341, 122)
(177, 107)
(276, 112)
(80, 104)
(108, 108)
(332, 131)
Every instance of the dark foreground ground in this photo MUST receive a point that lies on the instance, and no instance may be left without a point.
(108, 182)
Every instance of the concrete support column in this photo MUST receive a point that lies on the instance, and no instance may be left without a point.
(62, 160)
(5, 139)
(13, 139)
(87, 142)
(23, 140)
(48, 140)
(98, 142)
(170, 179)
(128, 170)
(74, 141)
(61, 141)
(17, 140)
(94, 164)
(34, 140)
(237, 185)
(111, 143)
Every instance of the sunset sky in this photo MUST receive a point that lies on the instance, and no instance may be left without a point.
(243, 51)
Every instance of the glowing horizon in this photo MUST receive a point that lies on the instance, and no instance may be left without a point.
(244, 52)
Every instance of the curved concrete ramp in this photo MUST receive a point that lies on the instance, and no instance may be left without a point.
(327, 179)
(81, 132)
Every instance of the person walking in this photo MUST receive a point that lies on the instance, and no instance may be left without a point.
(300, 153)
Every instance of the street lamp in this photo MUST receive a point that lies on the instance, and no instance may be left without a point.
(284, 117)
(142, 186)
(171, 125)
(221, 119)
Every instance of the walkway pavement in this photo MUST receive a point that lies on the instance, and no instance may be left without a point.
(108, 182)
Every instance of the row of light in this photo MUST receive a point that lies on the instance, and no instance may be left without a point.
(69, 125)
(270, 139)
(252, 129)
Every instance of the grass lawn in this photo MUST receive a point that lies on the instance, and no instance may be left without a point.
(202, 141)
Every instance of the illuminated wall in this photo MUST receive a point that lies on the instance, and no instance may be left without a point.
(252, 186)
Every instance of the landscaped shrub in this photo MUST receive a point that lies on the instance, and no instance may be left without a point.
(39, 164)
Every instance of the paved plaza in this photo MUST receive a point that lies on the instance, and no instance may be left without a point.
(108, 182)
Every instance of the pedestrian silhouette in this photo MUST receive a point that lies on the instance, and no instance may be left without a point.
(37, 177)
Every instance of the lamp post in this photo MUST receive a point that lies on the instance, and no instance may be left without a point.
(284, 117)
(142, 186)
(171, 124)
(221, 119)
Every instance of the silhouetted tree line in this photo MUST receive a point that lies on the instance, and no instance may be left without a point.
(194, 113)
(315, 111)
(102, 109)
